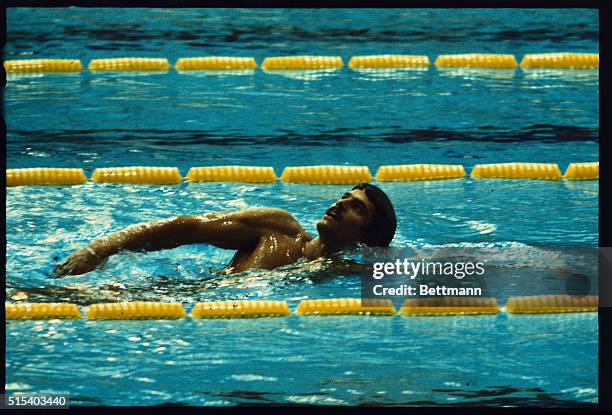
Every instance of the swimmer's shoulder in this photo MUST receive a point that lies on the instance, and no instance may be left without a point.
(265, 219)
(268, 212)
(274, 219)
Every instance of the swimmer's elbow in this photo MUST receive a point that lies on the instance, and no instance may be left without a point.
(147, 236)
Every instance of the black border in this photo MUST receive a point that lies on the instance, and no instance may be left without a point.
(543, 4)
(605, 222)
(605, 207)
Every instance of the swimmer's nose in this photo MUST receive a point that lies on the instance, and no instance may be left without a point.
(338, 208)
(340, 204)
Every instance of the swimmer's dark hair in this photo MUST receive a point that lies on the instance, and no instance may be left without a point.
(380, 231)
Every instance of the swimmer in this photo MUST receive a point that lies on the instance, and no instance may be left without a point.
(265, 238)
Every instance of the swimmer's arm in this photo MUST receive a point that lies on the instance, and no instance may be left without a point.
(265, 220)
(233, 230)
(228, 230)
(225, 230)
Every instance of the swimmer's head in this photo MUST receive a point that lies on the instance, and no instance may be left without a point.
(365, 214)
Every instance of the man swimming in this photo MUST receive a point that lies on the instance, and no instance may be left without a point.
(264, 238)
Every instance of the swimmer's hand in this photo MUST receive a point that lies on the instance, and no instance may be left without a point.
(77, 263)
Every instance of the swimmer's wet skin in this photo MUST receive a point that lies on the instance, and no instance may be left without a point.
(264, 238)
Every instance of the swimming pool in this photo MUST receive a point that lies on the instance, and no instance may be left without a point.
(330, 117)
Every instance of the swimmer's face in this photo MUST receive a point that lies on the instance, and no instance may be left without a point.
(344, 221)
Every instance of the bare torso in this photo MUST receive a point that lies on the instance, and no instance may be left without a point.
(274, 249)
(264, 238)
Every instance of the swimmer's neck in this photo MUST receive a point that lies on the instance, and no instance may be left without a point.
(316, 248)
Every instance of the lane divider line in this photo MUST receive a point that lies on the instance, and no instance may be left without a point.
(562, 60)
(129, 64)
(431, 306)
(322, 174)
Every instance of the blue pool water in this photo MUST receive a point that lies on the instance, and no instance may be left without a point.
(329, 117)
